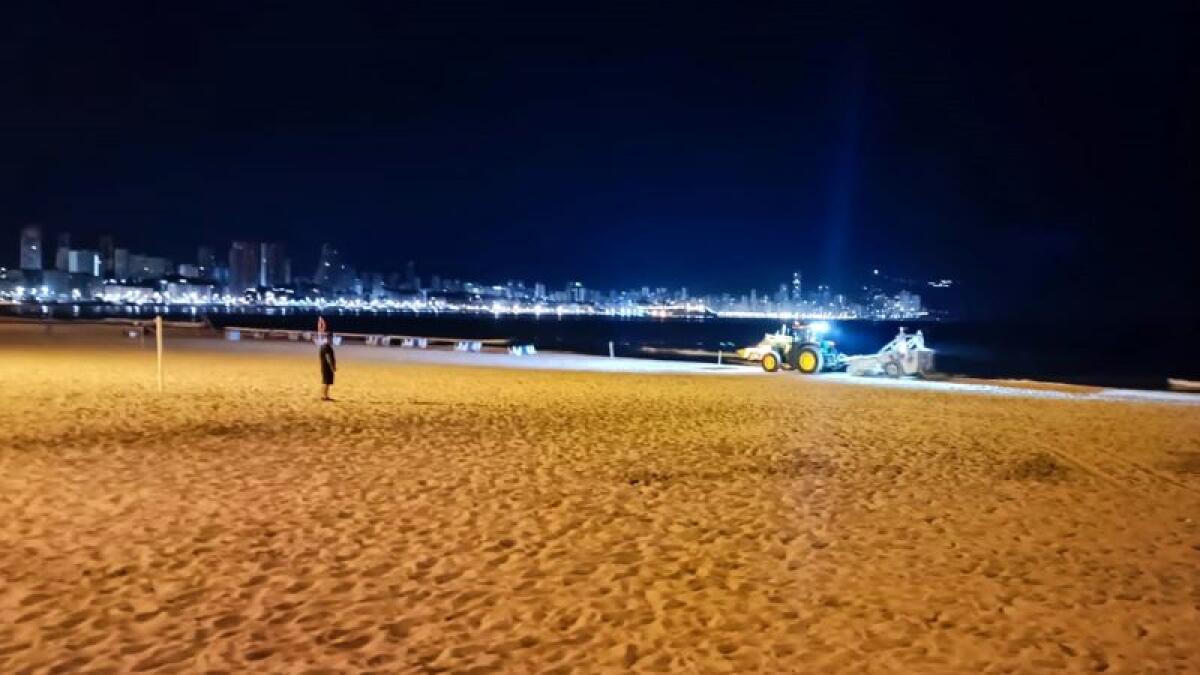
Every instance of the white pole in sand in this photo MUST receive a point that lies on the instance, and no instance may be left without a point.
(719, 357)
(610, 350)
(158, 337)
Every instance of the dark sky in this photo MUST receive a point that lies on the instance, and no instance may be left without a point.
(1043, 157)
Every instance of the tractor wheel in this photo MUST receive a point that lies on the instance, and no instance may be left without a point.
(892, 369)
(770, 362)
(808, 360)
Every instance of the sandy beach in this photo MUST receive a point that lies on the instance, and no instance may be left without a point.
(442, 517)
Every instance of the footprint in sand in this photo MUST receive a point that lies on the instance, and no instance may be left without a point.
(397, 631)
(377, 570)
(73, 620)
(259, 654)
(30, 616)
(447, 576)
(380, 660)
(164, 657)
(135, 648)
(299, 587)
(527, 642)
(256, 580)
(356, 642)
(5, 650)
(34, 599)
(146, 616)
(315, 621)
(71, 665)
(227, 621)
(85, 641)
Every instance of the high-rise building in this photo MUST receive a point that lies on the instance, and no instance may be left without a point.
(243, 266)
(107, 255)
(143, 267)
(31, 247)
(62, 254)
(796, 287)
(273, 268)
(410, 276)
(373, 284)
(121, 263)
(328, 266)
(84, 261)
(908, 304)
(206, 262)
(824, 295)
(333, 273)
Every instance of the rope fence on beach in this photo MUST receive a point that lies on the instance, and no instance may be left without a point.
(155, 327)
(236, 333)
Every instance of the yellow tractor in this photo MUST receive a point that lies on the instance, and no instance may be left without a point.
(797, 347)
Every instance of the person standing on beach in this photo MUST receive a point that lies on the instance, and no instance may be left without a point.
(328, 366)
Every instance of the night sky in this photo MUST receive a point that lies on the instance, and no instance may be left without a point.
(1045, 158)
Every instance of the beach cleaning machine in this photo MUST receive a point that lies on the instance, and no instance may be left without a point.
(905, 355)
(802, 349)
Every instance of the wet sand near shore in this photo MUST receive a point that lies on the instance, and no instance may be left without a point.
(464, 519)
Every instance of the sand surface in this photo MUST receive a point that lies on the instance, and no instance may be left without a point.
(460, 519)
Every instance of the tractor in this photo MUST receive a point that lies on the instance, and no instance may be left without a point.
(797, 347)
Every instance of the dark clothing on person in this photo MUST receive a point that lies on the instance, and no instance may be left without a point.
(328, 363)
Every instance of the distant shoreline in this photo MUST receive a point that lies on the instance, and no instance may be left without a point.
(57, 309)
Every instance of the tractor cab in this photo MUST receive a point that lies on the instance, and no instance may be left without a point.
(801, 331)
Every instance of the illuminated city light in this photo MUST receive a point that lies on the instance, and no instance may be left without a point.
(137, 280)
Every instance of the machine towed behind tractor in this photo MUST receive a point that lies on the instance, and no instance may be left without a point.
(905, 354)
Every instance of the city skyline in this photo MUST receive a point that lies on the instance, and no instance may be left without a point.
(261, 272)
(186, 253)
